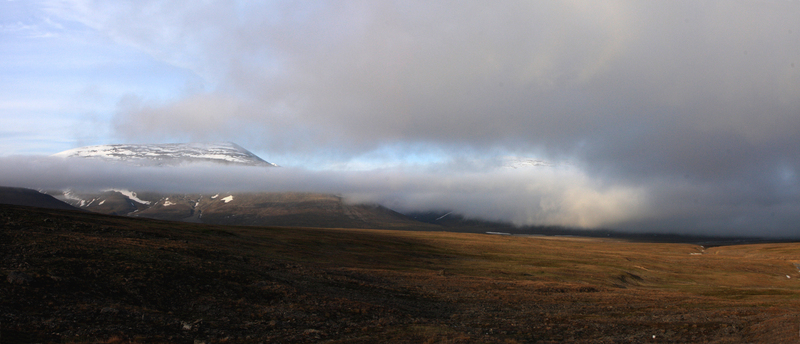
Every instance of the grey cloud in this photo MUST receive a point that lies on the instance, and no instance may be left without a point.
(532, 196)
(547, 195)
(362, 74)
(658, 96)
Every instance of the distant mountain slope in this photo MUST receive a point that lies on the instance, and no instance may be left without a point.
(169, 153)
(31, 198)
(250, 209)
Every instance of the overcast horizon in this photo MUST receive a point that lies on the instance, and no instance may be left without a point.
(678, 116)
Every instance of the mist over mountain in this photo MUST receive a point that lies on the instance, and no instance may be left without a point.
(292, 209)
(517, 190)
(514, 190)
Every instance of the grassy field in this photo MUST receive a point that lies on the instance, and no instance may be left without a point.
(81, 277)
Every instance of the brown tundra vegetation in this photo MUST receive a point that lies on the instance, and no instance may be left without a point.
(79, 277)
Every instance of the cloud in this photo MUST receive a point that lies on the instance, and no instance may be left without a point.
(549, 195)
(559, 194)
(583, 78)
(692, 104)
(364, 74)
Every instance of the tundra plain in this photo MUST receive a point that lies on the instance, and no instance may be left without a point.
(80, 277)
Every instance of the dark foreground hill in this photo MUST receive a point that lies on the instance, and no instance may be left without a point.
(79, 277)
(31, 198)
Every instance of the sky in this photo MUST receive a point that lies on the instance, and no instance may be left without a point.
(679, 116)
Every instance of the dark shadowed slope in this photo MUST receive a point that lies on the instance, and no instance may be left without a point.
(31, 198)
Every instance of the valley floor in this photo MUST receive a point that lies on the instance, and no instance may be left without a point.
(75, 277)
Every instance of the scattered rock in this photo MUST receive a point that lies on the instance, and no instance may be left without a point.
(187, 326)
(16, 277)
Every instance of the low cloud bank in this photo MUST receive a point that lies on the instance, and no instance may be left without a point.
(542, 195)
(526, 196)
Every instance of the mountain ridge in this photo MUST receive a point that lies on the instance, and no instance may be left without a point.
(290, 209)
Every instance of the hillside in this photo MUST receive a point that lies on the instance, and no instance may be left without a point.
(250, 209)
(31, 198)
(82, 277)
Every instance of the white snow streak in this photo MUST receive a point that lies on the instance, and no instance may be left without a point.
(131, 195)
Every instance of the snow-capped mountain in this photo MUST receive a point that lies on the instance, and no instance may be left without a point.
(169, 153)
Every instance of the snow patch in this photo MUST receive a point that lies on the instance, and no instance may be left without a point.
(131, 195)
(68, 195)
(227, 199)
(215, 196)
(101, 202)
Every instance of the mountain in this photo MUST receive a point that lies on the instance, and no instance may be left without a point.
(291, 209)
(169, 154)
(251, 209)
(31, 198)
